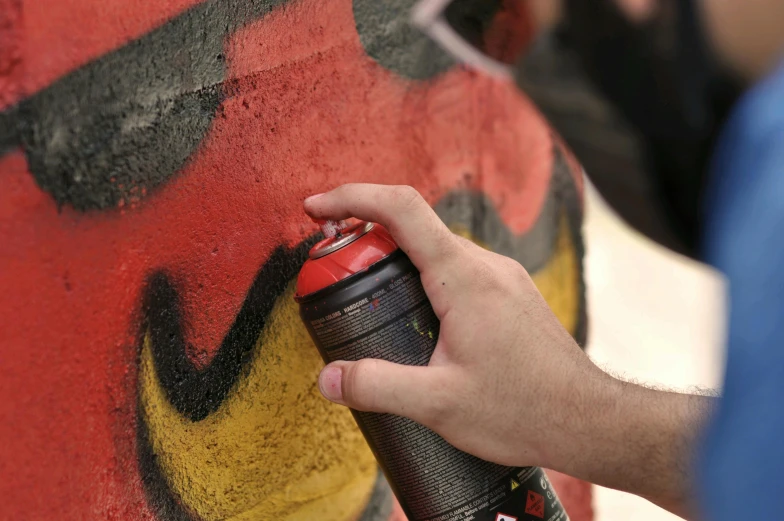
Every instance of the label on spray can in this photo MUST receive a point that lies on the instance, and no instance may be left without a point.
(383, 313)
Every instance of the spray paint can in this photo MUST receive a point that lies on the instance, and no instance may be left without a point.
(361, 297)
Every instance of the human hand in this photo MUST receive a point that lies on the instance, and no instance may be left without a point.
(502, 381)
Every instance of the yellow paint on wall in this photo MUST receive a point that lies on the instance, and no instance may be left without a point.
(559, 280)
(275, 449)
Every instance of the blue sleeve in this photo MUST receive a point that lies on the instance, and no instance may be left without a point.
(742, 465)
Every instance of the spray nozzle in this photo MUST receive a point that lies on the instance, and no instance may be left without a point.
(331, 229)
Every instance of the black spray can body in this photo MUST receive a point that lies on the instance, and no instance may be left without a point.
(363, 299)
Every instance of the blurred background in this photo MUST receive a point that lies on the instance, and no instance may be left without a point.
(655, 318)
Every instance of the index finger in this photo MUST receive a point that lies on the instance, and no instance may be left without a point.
(416, 228)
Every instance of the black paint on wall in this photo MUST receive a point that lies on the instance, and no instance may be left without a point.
(194, 392)
(389, 38)
(127, 122)
(8, 134)
(161, 498)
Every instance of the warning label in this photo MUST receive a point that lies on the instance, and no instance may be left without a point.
(504, 517)
(513, 484)
(534, 505)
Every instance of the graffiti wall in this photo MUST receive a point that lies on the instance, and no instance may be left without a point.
(153, 160)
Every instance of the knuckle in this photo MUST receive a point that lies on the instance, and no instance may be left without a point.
(440, 407)
(500, 275)
(467, 245)
(515, 269)
(462, 241)
(508, 268)
(446, 244)
(343, 190)
(483, 273)
(406, 197)
(356, 390)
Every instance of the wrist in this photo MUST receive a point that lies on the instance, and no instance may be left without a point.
(629, 437)
(582, 411)
(602, 417)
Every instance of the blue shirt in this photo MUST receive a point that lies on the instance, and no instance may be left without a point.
(742, 467)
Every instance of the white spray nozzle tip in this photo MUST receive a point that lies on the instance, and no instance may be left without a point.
(332, 228)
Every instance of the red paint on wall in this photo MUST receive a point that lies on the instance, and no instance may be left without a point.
(307, 110)
(10, 51)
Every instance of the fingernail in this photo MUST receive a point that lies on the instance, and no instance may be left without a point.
(313, 198)
(330, 383)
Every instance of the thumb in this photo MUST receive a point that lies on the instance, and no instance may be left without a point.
(378, 386)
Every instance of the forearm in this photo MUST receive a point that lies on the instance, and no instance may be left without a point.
(637, 439)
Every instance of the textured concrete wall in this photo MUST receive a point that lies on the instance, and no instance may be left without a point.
(153, 160)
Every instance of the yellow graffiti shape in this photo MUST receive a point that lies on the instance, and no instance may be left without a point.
(275, 449)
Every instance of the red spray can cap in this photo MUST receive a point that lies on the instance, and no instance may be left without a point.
(349, 250)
